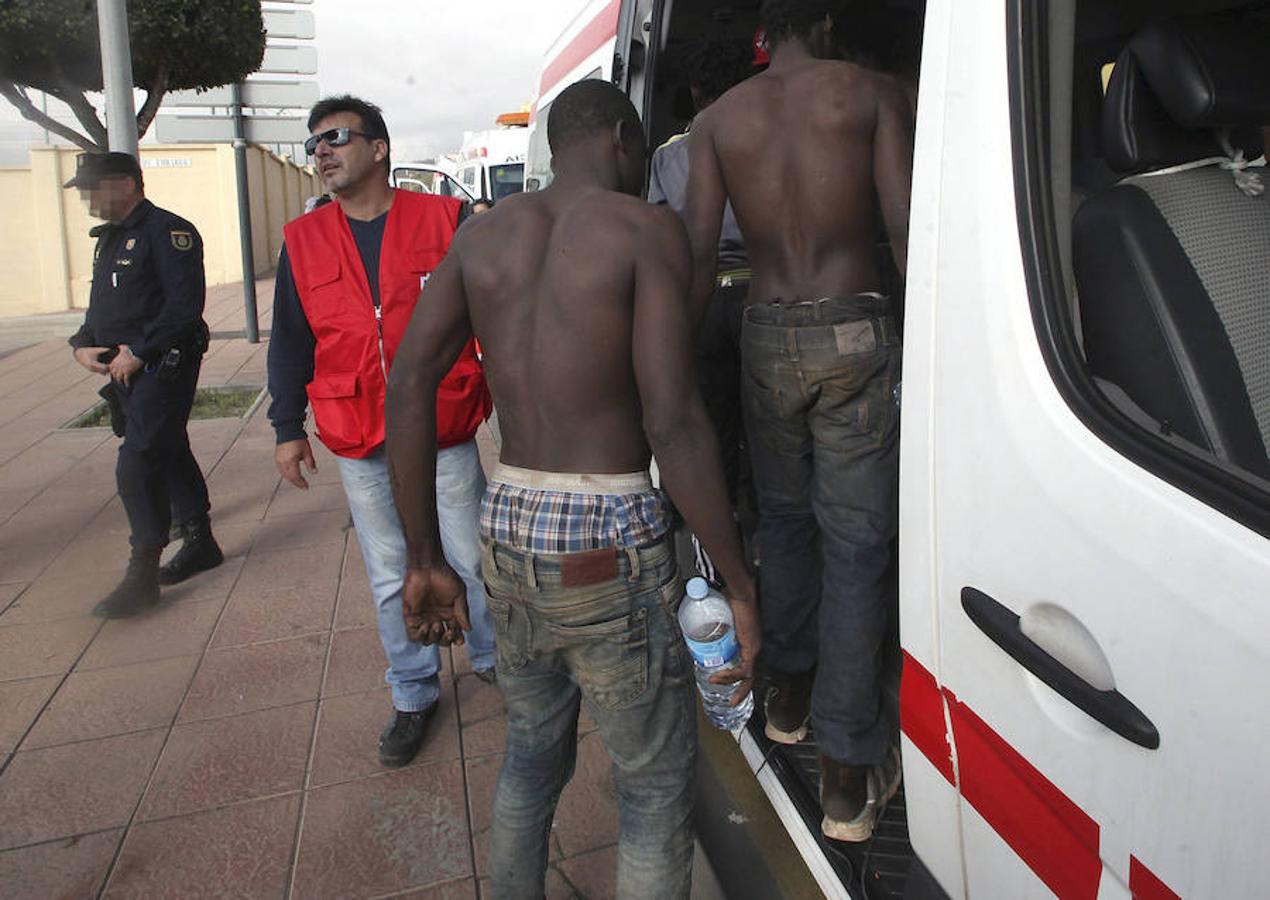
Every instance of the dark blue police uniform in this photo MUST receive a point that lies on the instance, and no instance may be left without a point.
(148, 293)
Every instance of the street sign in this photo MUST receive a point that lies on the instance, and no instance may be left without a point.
(289, 61)
(270, 94)
(220, 129)
(287, 23)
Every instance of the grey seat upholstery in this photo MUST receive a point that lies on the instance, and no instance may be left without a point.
(1173, 267)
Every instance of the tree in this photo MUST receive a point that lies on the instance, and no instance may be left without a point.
(53, 46)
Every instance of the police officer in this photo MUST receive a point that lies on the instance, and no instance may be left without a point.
(145, 329)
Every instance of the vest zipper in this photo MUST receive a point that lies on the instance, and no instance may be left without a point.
(379, 331)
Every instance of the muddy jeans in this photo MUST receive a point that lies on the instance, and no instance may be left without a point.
(616, 647)
(819, 389)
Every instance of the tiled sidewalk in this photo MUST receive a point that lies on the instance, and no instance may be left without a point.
(224, 744)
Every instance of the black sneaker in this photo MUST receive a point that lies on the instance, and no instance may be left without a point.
(787, 706)
(403, 737)
(199, 552)
(139, 589)
(852, 797)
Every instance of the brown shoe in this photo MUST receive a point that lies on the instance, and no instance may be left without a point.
(787, 706)
(852, 797)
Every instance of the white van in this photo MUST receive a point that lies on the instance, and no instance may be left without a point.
(491, 163)
(1084, 600)
(429, 177)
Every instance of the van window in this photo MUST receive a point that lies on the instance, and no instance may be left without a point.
(506, 180)
(1162, 352)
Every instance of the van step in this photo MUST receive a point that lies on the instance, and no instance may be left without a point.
(873, 870)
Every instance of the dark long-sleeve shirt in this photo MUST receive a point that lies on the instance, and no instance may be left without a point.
(148, 284)
(290, 357)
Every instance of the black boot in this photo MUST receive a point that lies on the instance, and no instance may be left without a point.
(139, 589)
(199, 552)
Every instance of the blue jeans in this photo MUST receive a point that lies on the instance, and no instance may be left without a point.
(615, 646)
(823, 422)
(412, 668)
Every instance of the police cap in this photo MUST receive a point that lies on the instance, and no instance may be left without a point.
(91, 168)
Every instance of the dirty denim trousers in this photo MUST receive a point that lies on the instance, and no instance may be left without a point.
(412, 668)
(616, 647)
(819, 389)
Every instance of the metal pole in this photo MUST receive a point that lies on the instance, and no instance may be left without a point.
(244, 216)
(116, 75)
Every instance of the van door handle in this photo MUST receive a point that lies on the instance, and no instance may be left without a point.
(1111, 708)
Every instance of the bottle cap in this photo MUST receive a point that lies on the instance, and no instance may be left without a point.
(698, 589)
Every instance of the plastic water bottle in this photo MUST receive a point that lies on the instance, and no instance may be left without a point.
(706, 621)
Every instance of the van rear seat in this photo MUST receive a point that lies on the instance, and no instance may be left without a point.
(1173, 266)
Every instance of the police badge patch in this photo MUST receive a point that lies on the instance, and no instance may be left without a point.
(182, 240)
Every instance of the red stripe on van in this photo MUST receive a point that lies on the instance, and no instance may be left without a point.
(593, 34)
(1054, 836)
(1146, 885)
(922, 716)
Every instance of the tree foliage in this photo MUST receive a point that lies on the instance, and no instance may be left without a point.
(53, 46)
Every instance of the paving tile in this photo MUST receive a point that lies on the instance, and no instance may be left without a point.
(235, 538)
(318, 498)
(214, 584)
(303, 569)
(43, 648)
(463, 889)
(55, 595)
(594, 874)
(76, 788)
(20, 703)
(241, 851)
(103, 554)
(66, 869)
(258, 676)
(348, 735)
(586, 817)
(25, 563)
(40, 522)
(384, 834)
(219, 762)
(250, 618)
(113, 701)
(320, 529)
(482, 716)
(10, 592)
(173, 629)
(357, 662)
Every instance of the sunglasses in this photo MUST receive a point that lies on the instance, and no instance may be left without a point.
(334, 137)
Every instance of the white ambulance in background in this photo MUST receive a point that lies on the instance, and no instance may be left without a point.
(1084, 599)
(585, 49)
(491, 163)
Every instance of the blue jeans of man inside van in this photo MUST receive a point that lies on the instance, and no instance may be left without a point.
(412, 668)
(615, 647)
(819, 391)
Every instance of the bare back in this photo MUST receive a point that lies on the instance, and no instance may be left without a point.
(807, 153)
(550, 280)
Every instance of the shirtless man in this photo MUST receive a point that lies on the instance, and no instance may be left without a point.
(577, 295)
(801, 150)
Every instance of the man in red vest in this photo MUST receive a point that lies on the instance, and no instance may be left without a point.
(348, 279)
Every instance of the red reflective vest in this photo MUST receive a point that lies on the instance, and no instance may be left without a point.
(355, 346)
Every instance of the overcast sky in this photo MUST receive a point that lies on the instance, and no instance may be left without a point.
(436, 67)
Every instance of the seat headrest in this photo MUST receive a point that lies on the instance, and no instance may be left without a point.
(1208, 71)
(1174, 86)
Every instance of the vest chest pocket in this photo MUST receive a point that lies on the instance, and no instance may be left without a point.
(334, 410)
(420, 264)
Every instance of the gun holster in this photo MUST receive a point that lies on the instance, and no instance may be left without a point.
(111, 393)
